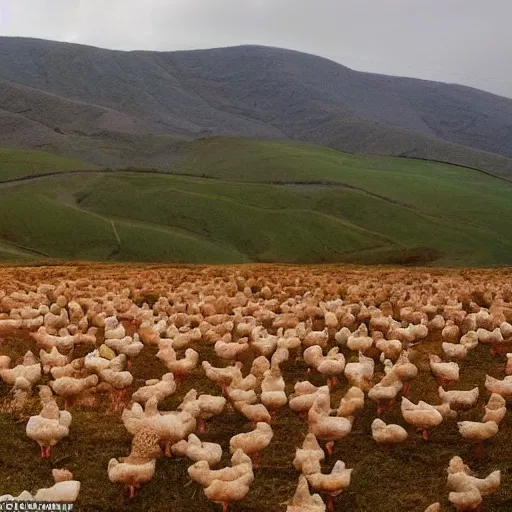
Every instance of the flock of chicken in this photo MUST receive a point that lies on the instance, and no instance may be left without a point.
(342, 332)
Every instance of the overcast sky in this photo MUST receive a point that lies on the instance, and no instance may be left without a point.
(461, 41)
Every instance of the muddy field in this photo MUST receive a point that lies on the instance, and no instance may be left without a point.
(216, 300)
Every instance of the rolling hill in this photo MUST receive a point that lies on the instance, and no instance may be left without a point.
(116, 108)
(229, 200)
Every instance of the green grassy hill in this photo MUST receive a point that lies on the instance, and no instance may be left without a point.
(238, 200)
(20, 163)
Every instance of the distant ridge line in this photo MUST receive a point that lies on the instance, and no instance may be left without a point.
(446, 162)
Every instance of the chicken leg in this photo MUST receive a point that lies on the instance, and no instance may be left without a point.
(330, 503)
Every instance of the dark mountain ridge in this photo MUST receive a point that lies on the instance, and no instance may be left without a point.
(62, 97)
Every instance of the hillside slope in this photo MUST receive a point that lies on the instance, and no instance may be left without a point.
(299, 93)
(237, 200)
(80, 92)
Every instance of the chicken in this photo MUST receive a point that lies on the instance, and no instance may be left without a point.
(506, 331)
(253, 442)
(64, 342)
(476, 431)
(139, 467)
(333, 483)
(95, 362)
(326, 427)
(220, 491)
(450, 332)
(273, 396)
(259, 366)
(5, 361)
(221, 376)
(490, 337)
(379, 323)
(161, 389)
(49, 426)
(351, 402)
(495, 409)
(360, 374)
(24, 375)
(53, 358)
(500, 387)
(179, 367)
(446, 373)
(24, 495)
(330, 365)
(245, 383)
(280, 356)
(466, 497)
(485, 486)
(113, 329)
(72, 369)
(359, 341)
(331, 320)
(385, 392)
(288, 340)
(459, 400)
(230, 350)
(468, 490)
(7, 324)
(65, 489)
(469, 323)
(405, 371)
(181, 340)
(241, 466)
(262, 342)
(244, 327)
(56, 318)
(304, 396)
(390, 348)
(508, 368)
(241, 395)
(253, 412)
(70, 387)
(469, 340)
(406, 335)
(171, 427)
(423, 416)
(312, 355)
(196, 450)
(129, 346)
(388, 434)
(304, 387)
(454, 350)
(149, 335)
(208, 405)
(307, 459)
(116, 378)
(303, 501)
(444, 409)
(227, 484)
(316, 338)
(341, 337)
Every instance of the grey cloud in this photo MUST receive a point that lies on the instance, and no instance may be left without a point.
(463, 41)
